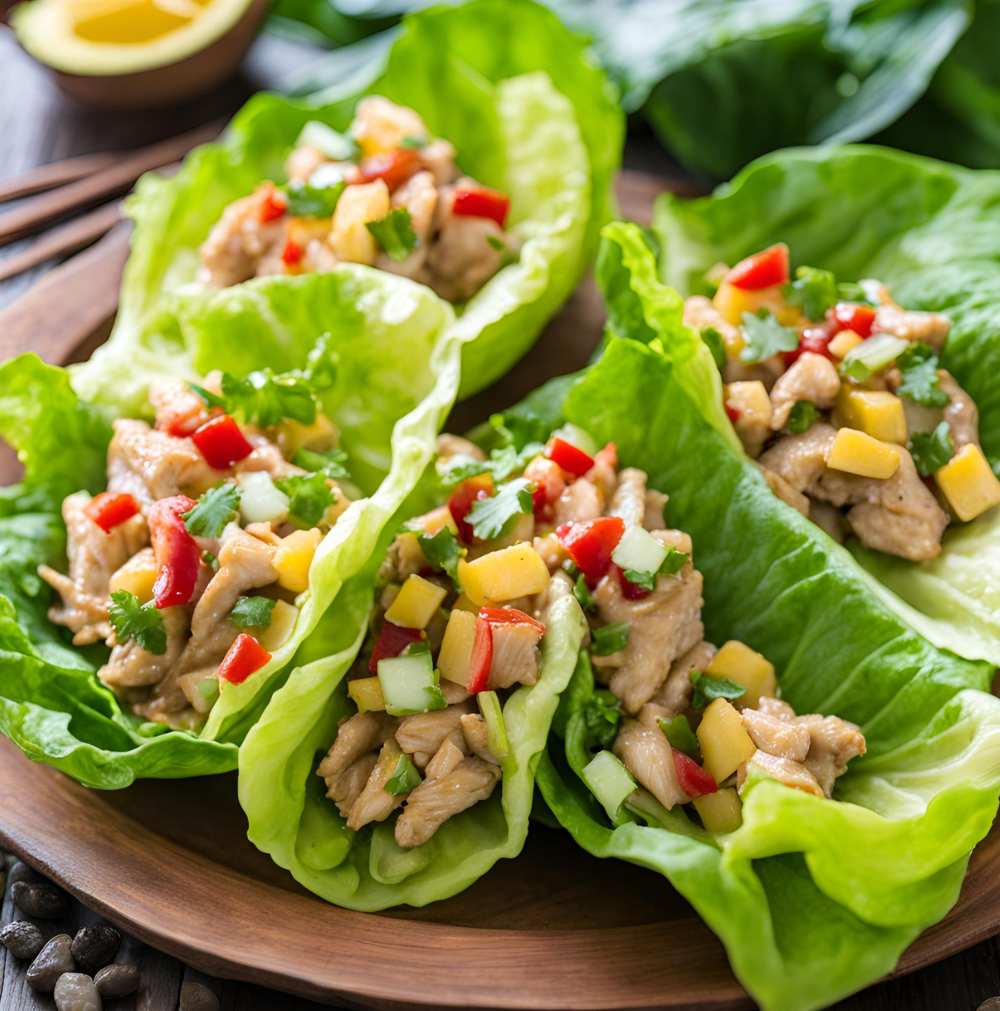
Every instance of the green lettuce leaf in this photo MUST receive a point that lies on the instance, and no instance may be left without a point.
(533, 117)
(931, 231)
(812, 898)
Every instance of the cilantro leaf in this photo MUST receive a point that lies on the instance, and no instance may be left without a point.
(609, 639)
(395, 233)
(602, 716)
(140, 622)
(814, 290)
(305, 201)
(331, 463)
(493, 517)
(494, 243)
(644, 580)
(410, 141)
(501, 464)
(864, 293)
(582, 593)
(207, 397)
(404, 777)
(765, 336)
(217, 507)
(715, 343)
(251, 612)
(678, 732)
(918, 364)
(670, 566)
(931, 450)
(706, 689)
(264, 398)
(802, 415)
(442, 551)
(309, 497)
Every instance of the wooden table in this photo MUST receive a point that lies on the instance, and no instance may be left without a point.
(36, 126)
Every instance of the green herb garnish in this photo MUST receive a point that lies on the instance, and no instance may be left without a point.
(678, 732)
(802, 416)
(766, 337)
(217, 507)
(330, 463)
(670, 566)
(609, 639)
(501, 464)
(442, 551)
(142, 623)
(931, 450)
(582, 593)
(495, 516)
(263, 398)
(814, 290)
(602, 716)
(306, 201)
(921, 383)
(309, 497)
(251, 612)
(395, 233)
(404, 777)
(707, 688)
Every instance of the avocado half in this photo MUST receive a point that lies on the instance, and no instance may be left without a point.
(137, 54)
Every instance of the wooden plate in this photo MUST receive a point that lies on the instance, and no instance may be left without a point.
(169, 860)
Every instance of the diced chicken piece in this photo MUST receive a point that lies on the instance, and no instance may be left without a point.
(676, 692)
(834, 742)
(898, 514)
(403, 559)
(770, 706)
(778, 737)
(662, 626)
(454, 694)
(345, 789)
(449, 445)
(647, 754)
(380, 125)
(350, 239)
(357, 735)
(785, 491)
(439, 157)
(828, 518)
(131, 666)
(582, 500)
(266, 456)
(476, 737)
(178, 409)
(656, 502)
(700, 313)
(436, 800)
(752, 422)
(302, 162)
(426, 731)
(927, 327)
(515, 656)
(812, 378)
(784, 770)
(453, 749)
(604, 472)
(419, 196)
(551, 551)
(375, 803)
(961, 413)
(239, 240)
(629, 501)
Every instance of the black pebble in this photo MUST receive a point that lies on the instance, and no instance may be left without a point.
(42, 900)
(195, 997)
(117, 981)
(95, 946)
(22, 939)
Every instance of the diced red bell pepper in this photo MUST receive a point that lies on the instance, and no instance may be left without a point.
(481, 203)
(221, 442)
(110, 508)
(179, 411)
(694, 780)
(482, 656)
(762, 270)
(392, 640)
(859, 318)
(630, 590)
(732, 413)
(177, 554)
(271, 205)
(571, 458)
(393, 167)
(815, 339)
(291, 255)
(245, 656)
(509, 616)
(590, 544)
(461, 499)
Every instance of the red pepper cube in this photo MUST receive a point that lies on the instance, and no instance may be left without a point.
(110, 508)
(571, 458)
(482, 656)
(590, 544)
(630, 590)
(291, 255)
(461, 500)
(271, 206)
(732, 413)
(509, 616)
(815, 339)
(693, 779)
(392, 640)
(177, 554)
(221, 442)
(859, 318)
(245, 657)
(481, 203)
(392, 167)
(762, 270)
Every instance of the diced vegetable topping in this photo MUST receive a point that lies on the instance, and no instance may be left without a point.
(395, 233)
(610, 782)
(762, 270)
(693, 779)
(968, 483)
(871, 356)
(251, 612)
(678, 732)
(392, 640)
(366, 693)
(765, 336)
(572, 459)
(843, 344)
(482, 656)
(708, 688)
(327, 141)
(725, 745)
(416, 603)
(737, 662)
(291, 255)
(461, 500)
(455, 656)
(931, 450)
(517, 571)
(140, 622)
(496, 729)
(639, 551)
(280, 628)
(221, 442)
(215, 509)
(802, 416)
(294, 557)
(404, 777)
(260, 501)
(246, 656)
(591, 543)
(609, 639)
(875, 412)
(178, 556)
(850, 316)
(392, 167)
(481, 203)
(109, 509)
(856, 453)
(720, 812)
(410, 683)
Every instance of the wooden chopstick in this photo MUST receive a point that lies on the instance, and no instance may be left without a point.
(66, 239)
(57, 173)
(107, 182)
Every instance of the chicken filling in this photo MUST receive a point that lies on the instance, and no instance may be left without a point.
(189, 565)
(837, 392)
(387, 195)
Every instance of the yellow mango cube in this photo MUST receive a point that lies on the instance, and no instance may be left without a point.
(416, 603)
(968, 483)
(738, 662)
(731, 302)
(437, 519)
(319, 436)
(137, 576)
(845, 341)
(293, 559)
(856, 453)
(350, 240)
(464, 604)
(367, 694)
(455, 657)
(380, 125)
(721, 811)
(877, 413)
(517, 571)
(724, 744)
(283, 619)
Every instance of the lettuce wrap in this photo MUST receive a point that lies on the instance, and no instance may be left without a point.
(812, 898)
(929, 231)
(394, 378)
(528, 112)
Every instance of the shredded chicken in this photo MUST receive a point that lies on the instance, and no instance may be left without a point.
(345, 789)
(131, 666)
(426, 731)
(927, 327)
(453, 749)
(629, 500)
(515, 656)
(961, 413)
(476, 737)
(240, 240)
(783, 490)
(675, 694)
(582, 500)
(356, 735)
(812, 378)
(375, 803)
(647, 754)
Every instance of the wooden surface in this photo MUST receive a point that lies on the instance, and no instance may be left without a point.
(549, 889)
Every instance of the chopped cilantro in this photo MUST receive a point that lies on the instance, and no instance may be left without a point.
(404, 777)
(678, 732)
(263, 397)
(251, 612)
(582, 594)
(442, 551)
(495, 243)
(331, 463)
(411, 142)
(706, 689)
(493, 517)
(670, 566)
(609, 639)
(141, 622)
(210, 560)
(306, 201)
(715, 343)
(865, 293)
(501, 464)
(395, 233)
(207, 397)
(918, 364)
(601, 716)
(765, 336)
(309, 497)
(802, 415)
(814, 290)
(931, 450)
(217, 507)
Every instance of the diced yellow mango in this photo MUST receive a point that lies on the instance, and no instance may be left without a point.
(968, 483)
(380, 125)
(320, 436)
(416, 603)
(721, 811)
(464, 604)
(367, 694)
(877, 413)
(437, 519)
(350, 240)
(503, 575)
(456, 647)
(856, 453)
(137, 576)
(731, 302)
(283, 619)
(738, 662)
(845, 341)
(294, 557)
(724, 744)
(750, 398)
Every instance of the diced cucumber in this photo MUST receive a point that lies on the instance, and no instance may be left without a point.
(327, 141)
(872, 356)
(639, 550)
(209, 689)
(410, 684)
(496, 729)
(610, 782)
(578, 437)
(260, 501)
(678, 732)
(404, 777)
